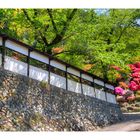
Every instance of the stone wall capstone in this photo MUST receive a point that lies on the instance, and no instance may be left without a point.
(30, 105)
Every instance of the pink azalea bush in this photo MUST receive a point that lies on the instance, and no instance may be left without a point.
(136, 70)
(119, 90)
(136, 74)
(137, 65)
(134, 83)
(133, 86)
(132, 67)
(137, 80)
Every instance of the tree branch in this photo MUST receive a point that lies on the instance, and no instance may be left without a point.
(27, 16)
(49, 11)
(60, 36)
(43, 38)
(64, 38)
(66, 24)
(122, 31)
(34, 26)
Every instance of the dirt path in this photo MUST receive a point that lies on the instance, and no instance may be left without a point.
(131, 123)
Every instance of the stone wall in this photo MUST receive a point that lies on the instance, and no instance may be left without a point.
(29, 105)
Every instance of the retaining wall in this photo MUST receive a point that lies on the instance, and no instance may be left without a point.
(30, 105)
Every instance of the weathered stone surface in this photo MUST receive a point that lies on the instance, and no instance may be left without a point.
(28, 105)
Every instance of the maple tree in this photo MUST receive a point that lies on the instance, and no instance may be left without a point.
(80, 36)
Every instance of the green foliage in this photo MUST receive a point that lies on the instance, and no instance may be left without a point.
(88, 37)
(45, 85)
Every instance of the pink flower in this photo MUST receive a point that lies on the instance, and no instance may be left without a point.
(133, 86)
(137, 80)
(132, 66)
(136, 74)
(136, 70)
(137, 65)
(138, 88)
(124, 92)
(119, 91)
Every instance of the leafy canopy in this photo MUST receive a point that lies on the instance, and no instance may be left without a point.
(84, 36)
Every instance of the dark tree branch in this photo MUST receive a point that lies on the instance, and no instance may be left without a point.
(66, 24)
(105, 69)
(34, 26)
(60, 36)
(49, 11)
(122, 32)
(43, 38)
(35, 12)
(127, 26)
(66, 37)
(27, 16)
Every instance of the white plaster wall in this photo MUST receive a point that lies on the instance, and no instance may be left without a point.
(99, 82)
(87, 77)
(88, 90)
(16, 47)
(74, 86)
(39, 57)
(38, 74)
(111, 98)
(58, 65)
(109, 86)
(114, 99)
(57, 80)
(100, 94)
(73, 71)
(15, 65)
